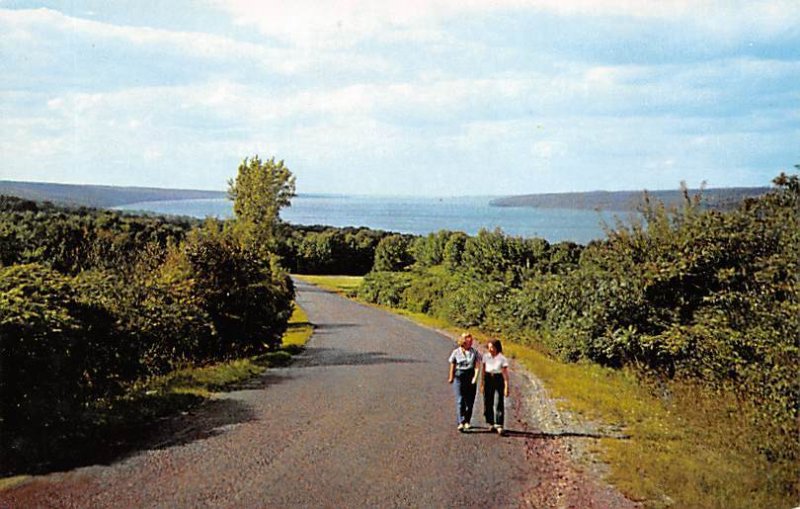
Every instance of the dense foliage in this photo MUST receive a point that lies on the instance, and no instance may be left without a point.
(93, 302)
(329, 250)
(259, 191)
(393, 253)
(703, 295)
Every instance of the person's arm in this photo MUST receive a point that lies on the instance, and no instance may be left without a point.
(452, 373)
(478, 369)
(505, 381)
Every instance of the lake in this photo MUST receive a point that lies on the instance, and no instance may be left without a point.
(414, 215)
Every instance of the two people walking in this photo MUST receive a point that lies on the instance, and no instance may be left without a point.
(467, 365)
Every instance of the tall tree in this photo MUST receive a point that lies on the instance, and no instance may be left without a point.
(261, 189)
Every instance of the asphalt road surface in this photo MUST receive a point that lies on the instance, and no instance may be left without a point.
(363, 418)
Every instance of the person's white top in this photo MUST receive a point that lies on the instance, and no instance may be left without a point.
(494, 364)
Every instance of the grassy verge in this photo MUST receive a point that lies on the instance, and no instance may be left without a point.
(299, 329)
(343, 285)
(687, 448)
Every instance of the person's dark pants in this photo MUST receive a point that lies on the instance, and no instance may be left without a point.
(493, 396)
(465, 391)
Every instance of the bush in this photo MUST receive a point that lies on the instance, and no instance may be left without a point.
(429, 251)
(473, 303)
(454, 251)
(393, 253)
(384, 288)
(52, 358)
(109, 301)
(426, 292)
(249, 300)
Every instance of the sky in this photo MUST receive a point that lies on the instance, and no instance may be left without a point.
(402, 97)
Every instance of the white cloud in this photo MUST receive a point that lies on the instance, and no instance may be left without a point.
(549, 149)
(405, 116)
(23, 30)
(344, 22)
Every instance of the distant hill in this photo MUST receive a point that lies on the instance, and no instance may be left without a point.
(98, 196)
(113, 196)
(621, 201)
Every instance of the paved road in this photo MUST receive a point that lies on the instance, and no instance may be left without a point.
(364, 418)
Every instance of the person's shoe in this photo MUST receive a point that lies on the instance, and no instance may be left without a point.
(461, 428)
(467, 426)
(500, 430)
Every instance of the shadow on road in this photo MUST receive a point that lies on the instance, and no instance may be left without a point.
(309, 288)
(323, 327)
(273, 376)
(333, 357)
(511, 433)
(208, 421)
(157, 422)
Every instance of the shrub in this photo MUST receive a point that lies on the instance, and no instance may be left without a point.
(384, 288)
(426, 292)
(453, 253)
(393, 253)
(52, 358)
(248, 299)
(470, 302)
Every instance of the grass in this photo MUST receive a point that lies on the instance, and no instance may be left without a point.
(687, 448)
(685, 451)
(299, 329)
(9, 482)
(343, 285)
(682, 450)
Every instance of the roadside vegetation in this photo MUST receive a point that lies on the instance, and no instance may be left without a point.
(327, 250)
(683, 330)
(343, 285)
(106, 319)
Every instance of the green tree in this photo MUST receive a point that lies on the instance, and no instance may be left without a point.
(249, 301)
(259, 191)
(393, 253)
(454, 251)
(429, 251)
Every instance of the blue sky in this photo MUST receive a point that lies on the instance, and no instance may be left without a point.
(409, 97)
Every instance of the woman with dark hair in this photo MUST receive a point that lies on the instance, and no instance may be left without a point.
(465, 363)
(495, 385)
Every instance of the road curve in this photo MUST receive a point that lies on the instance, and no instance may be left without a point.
(364, 418)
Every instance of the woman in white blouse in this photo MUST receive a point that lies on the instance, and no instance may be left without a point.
(495, 385)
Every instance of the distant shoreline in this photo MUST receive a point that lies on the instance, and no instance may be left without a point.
(100, 196)
(625, 201)
(104, 196)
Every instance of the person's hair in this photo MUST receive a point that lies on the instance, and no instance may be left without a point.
(497, 345)
(463, 338)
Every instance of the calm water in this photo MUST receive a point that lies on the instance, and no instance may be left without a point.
(413, 215)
